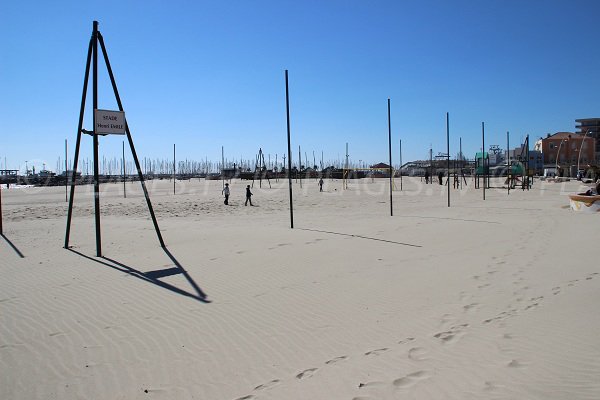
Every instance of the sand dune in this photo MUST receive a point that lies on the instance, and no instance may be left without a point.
(491, 299)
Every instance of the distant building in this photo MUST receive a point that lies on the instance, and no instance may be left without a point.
(591, 128)
(563, 149)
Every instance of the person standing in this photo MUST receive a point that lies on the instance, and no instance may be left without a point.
(248, 196)
(226, 193)
(321, 185)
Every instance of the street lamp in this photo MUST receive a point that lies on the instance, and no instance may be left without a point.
(581, 147)
(558, 153)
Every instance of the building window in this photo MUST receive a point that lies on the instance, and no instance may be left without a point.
(551, 145)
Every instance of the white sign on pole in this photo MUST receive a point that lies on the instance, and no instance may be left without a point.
(109, 122)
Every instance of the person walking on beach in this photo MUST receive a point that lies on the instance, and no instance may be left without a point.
(248, 196)
(226, 193)
(426, 176)
(441, 178)
(321, 185)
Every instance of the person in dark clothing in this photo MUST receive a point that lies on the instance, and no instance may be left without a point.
(248, 196)
(226, 193)
(426, 176)
(441, 177)
(321, 185)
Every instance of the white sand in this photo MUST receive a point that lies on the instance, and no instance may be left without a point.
(494, 299)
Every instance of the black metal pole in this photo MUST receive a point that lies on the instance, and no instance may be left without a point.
(289, 171)
(461, 160)
(483, 155)
(300, 165)
(448, 154)
(78, 142)
(174, 168)
(124, 172)
(66, 167)
(509, 166)
(400, 164)
(95, 139)
(390, 153)
(1, 231)
(130, 140)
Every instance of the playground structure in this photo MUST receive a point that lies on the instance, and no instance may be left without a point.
(516, 170)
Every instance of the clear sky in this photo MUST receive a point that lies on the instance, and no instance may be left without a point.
(206, 74)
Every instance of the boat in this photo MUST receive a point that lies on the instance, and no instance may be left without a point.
(585, 203)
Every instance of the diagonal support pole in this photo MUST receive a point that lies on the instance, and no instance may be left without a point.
(79, 128)
(130, 140)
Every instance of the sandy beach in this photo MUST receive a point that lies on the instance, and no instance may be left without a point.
(493, 299)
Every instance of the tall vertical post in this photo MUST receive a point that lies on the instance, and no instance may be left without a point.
(223, 165)
(527, 163)
(124, 172)
(508, 163)
(461, 160)
(289, 171)
(400, 164)
(174, 174)
(346, 171)
(300, 165)
(390, 153)
(95, 139)
(1, 231)
(78, 141)
(448, 154)
(483, 155)
(430, 164)
(66, 180)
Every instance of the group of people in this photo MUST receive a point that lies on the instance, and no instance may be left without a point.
(226, 193)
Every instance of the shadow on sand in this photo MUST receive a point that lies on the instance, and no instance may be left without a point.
(13, 246)
(359, 236)
(154, 276)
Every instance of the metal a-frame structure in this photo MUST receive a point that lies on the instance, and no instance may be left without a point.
(92, 58)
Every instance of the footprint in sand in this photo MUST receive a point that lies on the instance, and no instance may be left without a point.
(267, 385)
(248, 397)
(450, 335)
(417, 354)
(408, 339)
(336, 359)
(411, 379)
(515, 364)
(376, 352)
(469, 307)
(307, 373)
(556, 290)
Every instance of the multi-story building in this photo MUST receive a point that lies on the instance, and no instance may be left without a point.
(568, 151)
(591, 128)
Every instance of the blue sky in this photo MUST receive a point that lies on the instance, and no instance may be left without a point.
(210, 74)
